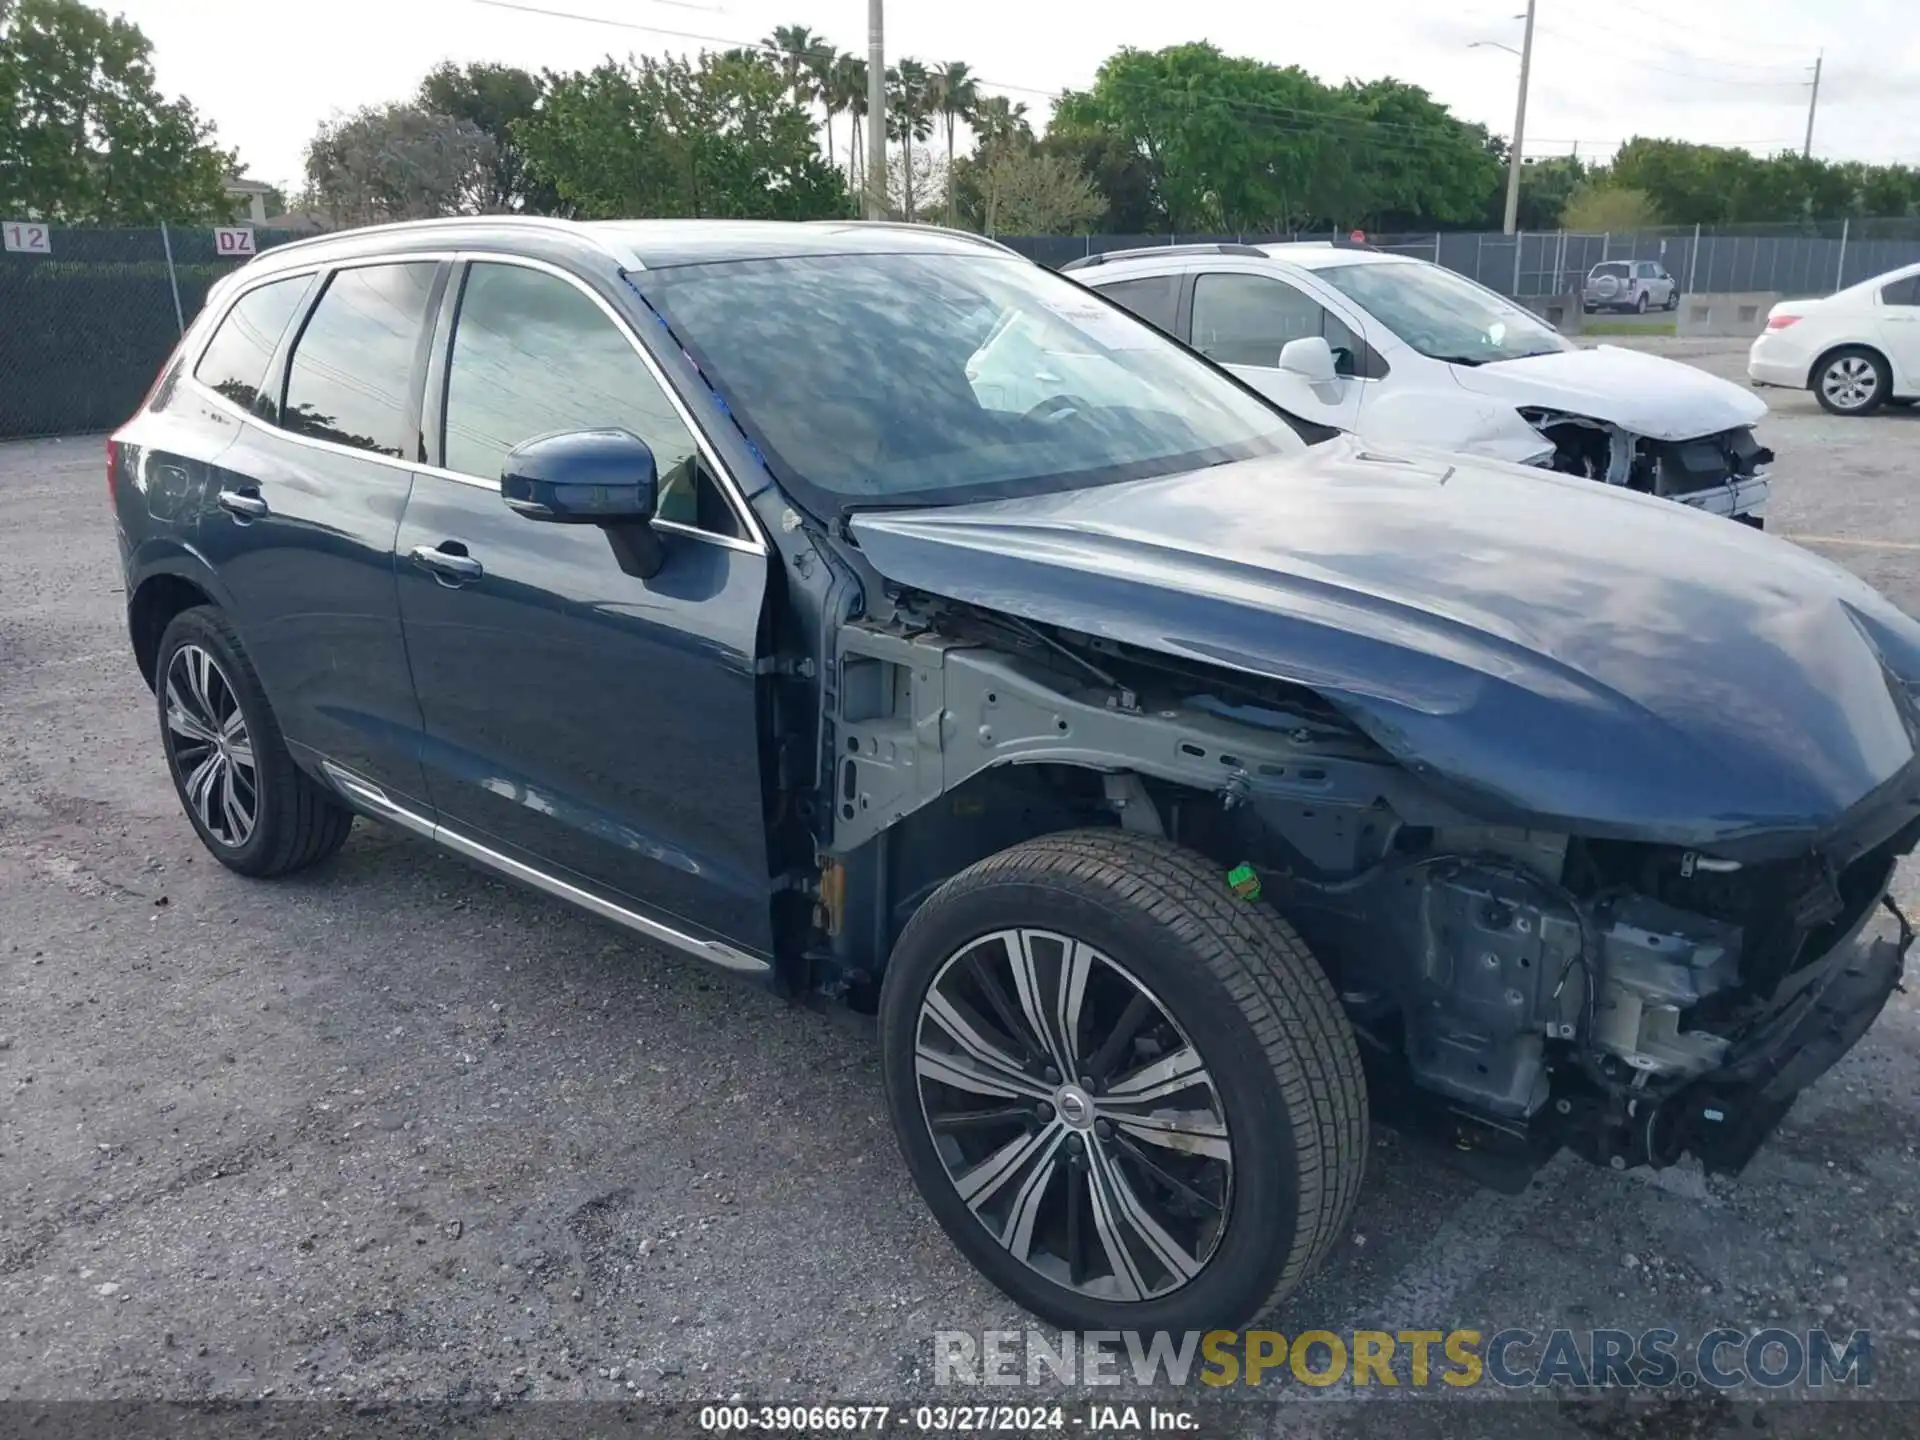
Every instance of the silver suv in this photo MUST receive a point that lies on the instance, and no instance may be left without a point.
(1638, 285)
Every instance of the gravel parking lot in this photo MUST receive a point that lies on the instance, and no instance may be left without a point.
(394, 1130)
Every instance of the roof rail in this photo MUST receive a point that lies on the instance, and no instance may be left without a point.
(915, 225)
(442, 222)
(1211, 247)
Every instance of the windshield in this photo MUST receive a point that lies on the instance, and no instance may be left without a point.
(939, 378)
(1442, 314)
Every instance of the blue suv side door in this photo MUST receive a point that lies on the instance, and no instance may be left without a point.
(597, 725)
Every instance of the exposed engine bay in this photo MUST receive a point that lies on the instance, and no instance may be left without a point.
(1515, 990)
(1731, 462)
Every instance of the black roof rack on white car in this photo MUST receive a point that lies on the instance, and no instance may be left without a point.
(1221, 247)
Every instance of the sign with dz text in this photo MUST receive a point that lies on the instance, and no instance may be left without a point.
(233, 242)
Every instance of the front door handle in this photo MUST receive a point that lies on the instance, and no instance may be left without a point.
(242, 504)
(448, 561)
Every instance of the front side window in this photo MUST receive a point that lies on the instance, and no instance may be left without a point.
(1249, 319)
(351, 374)
(533, 355)
(1443, 315)
(943, 378)
(236, 358)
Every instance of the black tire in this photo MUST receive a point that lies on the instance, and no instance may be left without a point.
(295, 822)
(1673, 300)
(1829, 390)
(1240, 989)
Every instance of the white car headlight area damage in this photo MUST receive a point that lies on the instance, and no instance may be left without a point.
(1724, 472)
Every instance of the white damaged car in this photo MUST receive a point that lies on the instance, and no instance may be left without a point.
(1399, 349)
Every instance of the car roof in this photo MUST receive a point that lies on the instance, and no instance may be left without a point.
(633, 244)
(1310, 255)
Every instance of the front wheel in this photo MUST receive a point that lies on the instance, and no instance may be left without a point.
(1673, 300)
(257, 811)
(1128, 1095)
(1851, 381)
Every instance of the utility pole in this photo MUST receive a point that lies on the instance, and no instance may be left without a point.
(1519, 127)
(1806, 151)
(876, 113)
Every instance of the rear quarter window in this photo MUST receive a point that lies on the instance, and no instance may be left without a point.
(235, 361)
(1154, 298)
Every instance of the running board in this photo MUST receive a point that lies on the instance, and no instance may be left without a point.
(374, 802)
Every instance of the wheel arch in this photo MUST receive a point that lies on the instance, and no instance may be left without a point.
(1820, 360)
(152, 607)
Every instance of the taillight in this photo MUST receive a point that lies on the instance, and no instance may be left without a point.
(1780, 322)
(113, 468)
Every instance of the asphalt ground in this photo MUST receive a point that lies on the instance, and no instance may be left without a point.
(396, 1133)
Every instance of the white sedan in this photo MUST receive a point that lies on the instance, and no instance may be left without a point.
(1857, 349)
(1397, 349)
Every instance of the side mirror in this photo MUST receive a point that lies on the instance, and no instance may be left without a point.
(1309, 357)
(582, 477)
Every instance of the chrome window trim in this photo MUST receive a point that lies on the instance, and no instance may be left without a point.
(553, 224)
(371, 800)
(754, 543)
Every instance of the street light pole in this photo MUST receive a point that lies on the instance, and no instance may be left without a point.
(876, 113)
(1519, 127)
(1806, 151)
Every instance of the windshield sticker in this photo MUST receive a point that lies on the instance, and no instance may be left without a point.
(1103, 324)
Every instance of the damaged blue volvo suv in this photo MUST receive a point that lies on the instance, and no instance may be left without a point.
(879, 617)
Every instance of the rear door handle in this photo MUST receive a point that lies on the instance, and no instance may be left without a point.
(449, 562)
(242, 504)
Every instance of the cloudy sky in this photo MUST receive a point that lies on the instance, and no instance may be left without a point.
(1721, 71)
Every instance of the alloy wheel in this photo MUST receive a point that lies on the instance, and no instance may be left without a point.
(1850, 382)
(1073, 1115)
(211, 750)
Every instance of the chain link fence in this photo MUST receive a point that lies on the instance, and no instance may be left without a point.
(87, 318)
(1815, 259)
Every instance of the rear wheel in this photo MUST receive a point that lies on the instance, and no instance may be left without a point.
(1127, 1094)
(1851, 381)
(1640, 304)
(257, 811)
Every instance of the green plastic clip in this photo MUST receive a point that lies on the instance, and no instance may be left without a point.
(1244, 882)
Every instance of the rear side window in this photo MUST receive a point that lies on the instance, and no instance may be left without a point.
(349, 381)
(1901, 292)
(1154, 298)
(533, 355)
(235, 360)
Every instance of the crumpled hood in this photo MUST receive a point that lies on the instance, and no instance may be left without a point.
(1548, 650)
(1647, 394)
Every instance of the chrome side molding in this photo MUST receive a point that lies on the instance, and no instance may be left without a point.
(376, 804)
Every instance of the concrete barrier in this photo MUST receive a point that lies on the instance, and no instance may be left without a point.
(1560, 311)
(1735, 313)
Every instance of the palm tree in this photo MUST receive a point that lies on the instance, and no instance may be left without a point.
(822, 60)
(997, 119)
(847, 94)
(796, 45)
(954, 96)
(908, 116)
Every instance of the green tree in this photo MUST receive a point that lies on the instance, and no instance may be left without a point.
(1596, 209)
(1025, 191)
(719, 135)
(1118, 171)
(998, 120)
(493, 99)
(86, 136)
(1421, 166)
(847, 89)
(954, 96)
(399, 162)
